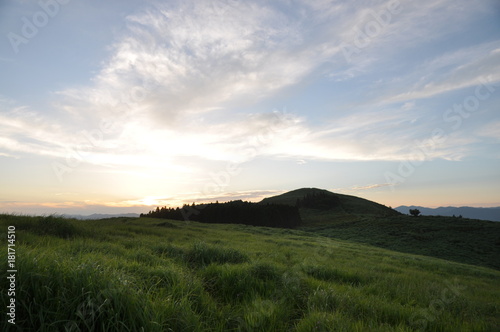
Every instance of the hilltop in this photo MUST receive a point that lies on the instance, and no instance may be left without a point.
(319, 205)
(332, 201)
(338, 216)
(306, 206)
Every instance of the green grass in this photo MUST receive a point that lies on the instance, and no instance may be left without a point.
(462, 240)
(355, 219)
(146, 275)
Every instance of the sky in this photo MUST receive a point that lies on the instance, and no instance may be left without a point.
(123, 105)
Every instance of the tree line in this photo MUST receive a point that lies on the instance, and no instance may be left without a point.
(234, 212)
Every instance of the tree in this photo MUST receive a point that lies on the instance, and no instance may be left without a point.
(414, 212)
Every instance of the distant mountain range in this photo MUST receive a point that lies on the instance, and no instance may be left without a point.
(101, 216)
(492, 214)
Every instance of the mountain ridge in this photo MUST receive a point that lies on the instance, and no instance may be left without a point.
(95, 216)
(481, 213)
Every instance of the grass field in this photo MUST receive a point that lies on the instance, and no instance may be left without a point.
(155, 275)
(475, 242)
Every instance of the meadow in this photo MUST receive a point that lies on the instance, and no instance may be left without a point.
(126, 274)
(475, 242)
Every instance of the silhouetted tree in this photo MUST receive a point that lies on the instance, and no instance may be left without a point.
(414, 212)
(235, 212)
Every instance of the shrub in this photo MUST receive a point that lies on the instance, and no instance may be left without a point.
(415, 212)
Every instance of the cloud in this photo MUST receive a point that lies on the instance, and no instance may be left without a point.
(136, 205)
(371, 186)
(491, 130)
(7, 155)
(249, 195)
(173, 63)
(192, 57)
(179, 70)
(453, 71)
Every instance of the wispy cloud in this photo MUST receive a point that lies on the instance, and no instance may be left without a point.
(194, 57)
(370, 186)
(374, 33)
(7, 155)
(453, 71)
(491, 130)
(179, 69)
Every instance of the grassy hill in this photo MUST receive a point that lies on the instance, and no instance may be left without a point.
(127, 274)
(340, 205)
(457, 239)
(355, 219)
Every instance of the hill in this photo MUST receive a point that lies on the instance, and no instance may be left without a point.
(351, 218)
(319, 205)
(462, 240)
(356, 219)
(144, 274)
(492, 214)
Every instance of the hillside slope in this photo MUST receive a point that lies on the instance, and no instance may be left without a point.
(462, 240)
(325, 206)
(356, 219)
(146, 274)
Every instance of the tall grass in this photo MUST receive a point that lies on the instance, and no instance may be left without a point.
(138, 275)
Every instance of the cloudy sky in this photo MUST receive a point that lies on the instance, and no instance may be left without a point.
(120, 105)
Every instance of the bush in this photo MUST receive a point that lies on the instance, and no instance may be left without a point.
(414, 212)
